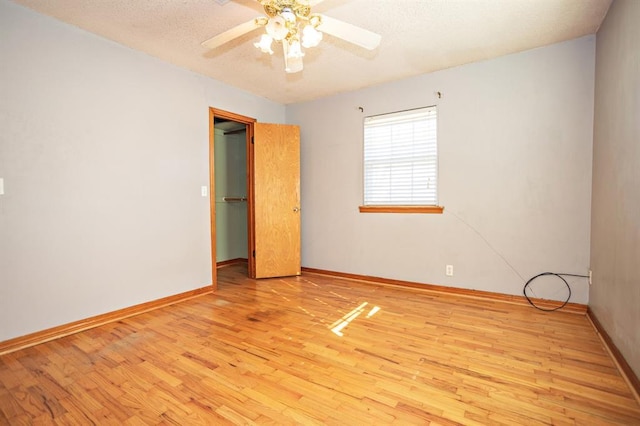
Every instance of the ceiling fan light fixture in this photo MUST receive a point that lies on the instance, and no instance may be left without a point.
(291, 23)
(292, 56)
(295, 51)
(277, 28)
(264, 44)
(293, 65)
(288, 15)
(310, 36)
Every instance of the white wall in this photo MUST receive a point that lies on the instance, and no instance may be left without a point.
(515, 139)
(615, 246)
(103, 151)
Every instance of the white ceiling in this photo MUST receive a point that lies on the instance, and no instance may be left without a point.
(418, 36)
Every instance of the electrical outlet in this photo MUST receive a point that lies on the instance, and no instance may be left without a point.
(449, 270)
(203, 191)
(590, 277)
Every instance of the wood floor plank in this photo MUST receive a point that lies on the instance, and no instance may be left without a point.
(322, 350)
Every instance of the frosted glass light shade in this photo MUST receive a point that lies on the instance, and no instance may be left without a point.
(295, 51)
(293, 65)
(310, 36)
(265, 44)
(277, 28)
(292, 56)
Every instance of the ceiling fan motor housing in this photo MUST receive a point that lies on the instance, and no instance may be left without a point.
(277, 7)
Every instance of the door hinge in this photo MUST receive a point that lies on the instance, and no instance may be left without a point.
(254, 253)
(252, 140)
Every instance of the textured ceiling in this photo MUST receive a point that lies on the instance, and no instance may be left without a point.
(418, 36)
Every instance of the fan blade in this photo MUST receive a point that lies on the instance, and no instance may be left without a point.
(351, 33)
(309, 3)
(231, 34)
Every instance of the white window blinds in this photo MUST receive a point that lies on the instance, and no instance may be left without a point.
(401, 158)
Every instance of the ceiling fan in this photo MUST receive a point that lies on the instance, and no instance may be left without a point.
(291, 23)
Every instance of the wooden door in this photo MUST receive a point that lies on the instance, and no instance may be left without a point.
(276, 200)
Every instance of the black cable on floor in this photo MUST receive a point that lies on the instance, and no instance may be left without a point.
(559, 275)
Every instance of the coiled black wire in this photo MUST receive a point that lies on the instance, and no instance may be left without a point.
(559, 275)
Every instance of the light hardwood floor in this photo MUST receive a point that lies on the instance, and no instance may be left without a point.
(322, 350)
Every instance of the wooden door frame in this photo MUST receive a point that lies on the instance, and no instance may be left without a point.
(248, 122)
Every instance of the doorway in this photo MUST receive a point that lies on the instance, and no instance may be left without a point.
(266, 199)
(230, 158)
(230, 166)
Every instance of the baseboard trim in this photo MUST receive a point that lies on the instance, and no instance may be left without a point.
(575, 308)
(624, 367)
(230, 262)
(49, 334)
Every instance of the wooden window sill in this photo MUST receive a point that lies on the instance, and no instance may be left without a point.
(402, 209)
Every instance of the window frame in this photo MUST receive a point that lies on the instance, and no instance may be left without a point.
(393, 208)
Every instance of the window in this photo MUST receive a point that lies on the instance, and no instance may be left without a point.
(401, 162)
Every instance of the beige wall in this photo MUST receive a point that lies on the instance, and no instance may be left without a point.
(615, 227)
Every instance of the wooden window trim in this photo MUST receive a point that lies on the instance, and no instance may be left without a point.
(402, 209)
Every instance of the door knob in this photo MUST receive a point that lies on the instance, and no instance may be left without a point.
(296, 209)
